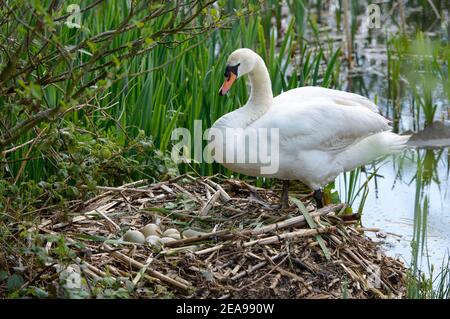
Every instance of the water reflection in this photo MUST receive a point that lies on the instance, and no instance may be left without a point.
(409, 202)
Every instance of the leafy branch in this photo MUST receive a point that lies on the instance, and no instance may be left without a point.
(47, 67)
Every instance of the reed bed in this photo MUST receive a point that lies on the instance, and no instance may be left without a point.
(245, 248)
(299, 49)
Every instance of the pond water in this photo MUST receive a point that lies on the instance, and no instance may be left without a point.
(391, 206)
(413, 188)
(395, 193)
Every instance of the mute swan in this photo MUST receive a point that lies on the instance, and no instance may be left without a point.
(322, 132)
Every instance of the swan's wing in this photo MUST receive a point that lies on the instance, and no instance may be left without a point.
(312, 94)
(321, 126)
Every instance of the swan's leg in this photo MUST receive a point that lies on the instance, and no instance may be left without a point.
(285, 195)
(318, 196)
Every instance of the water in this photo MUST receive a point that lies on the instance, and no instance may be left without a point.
(398, 203)
(390, 206)
(391, 202)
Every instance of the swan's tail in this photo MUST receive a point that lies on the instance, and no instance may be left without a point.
(373, 147)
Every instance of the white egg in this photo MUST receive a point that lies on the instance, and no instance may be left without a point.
(151, 230)
(170, 231)
(173, 233)
(176, 236)
(154, 242)
(134, 236)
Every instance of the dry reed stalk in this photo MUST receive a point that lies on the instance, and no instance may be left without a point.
(294, 221)
(256, 267)
(152, 273)
(183, 242)
(365, 229)
(205, 210)
(209, 250)
(224, 194)
(291, 235)
(347, 32)
(117, 227)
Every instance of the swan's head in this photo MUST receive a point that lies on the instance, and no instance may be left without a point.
(240, 62)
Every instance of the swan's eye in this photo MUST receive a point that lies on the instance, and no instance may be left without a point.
(231, 69)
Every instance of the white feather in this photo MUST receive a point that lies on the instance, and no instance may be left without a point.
(323, 132)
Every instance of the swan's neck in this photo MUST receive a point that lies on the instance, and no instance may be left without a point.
(261, 99)
(261, 96)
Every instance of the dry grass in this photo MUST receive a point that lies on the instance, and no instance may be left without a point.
(248, 249)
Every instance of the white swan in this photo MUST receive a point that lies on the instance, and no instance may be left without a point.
(322, 132)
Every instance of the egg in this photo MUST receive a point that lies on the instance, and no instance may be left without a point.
(188, 233)
(167, 239)
(134, 236)
(154, 242)
(174, 236)
(151, 230)
(173, 233)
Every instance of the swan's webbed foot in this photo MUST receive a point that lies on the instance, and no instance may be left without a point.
(318, 196)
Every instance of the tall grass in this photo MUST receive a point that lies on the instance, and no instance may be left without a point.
(186, 90)
(421, 284)
(434, 285)
(354, 188)
(420, 63)
(394, 81)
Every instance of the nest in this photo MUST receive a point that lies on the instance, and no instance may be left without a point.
(248, 248)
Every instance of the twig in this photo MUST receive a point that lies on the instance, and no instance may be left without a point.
(15, 148)
(296, 221)
(295, 234)
(152, 273)
(436, 12)
(256, 267)
(24, 163)
(209, 250)
(224, 194)
(108, 219)
(264, 276)
(205, 210)
(183, 242)
(119, 189)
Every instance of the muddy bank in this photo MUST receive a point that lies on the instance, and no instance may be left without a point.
(435, 135)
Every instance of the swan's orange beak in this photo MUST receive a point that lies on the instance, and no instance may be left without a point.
(227, 84)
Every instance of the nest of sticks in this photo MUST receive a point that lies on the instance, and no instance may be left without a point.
(246, 249)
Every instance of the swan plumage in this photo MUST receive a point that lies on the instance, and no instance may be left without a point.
(322, 132)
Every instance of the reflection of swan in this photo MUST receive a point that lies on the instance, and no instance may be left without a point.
(322, 132)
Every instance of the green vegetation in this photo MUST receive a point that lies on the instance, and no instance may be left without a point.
(95, 105)
(415, 70)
